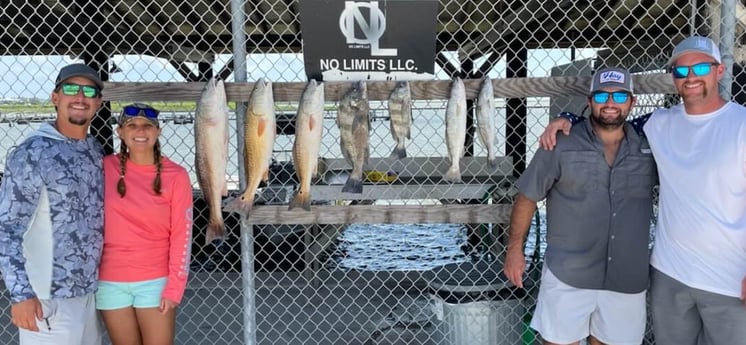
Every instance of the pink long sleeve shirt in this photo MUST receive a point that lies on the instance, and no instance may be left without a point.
(147, 236)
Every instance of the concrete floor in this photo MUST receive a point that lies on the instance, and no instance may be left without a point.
(340, 308)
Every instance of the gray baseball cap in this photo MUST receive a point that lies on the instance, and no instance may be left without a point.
(612, 77)
(695, 44)
(78, 70)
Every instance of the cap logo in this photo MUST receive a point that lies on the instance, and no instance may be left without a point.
(611, 77)
(702, 44)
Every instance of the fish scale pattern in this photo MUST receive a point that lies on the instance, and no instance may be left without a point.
(348, 283)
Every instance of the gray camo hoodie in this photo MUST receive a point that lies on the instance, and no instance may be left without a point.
(51, 216)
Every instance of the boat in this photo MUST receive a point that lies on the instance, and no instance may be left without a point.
(183, 119)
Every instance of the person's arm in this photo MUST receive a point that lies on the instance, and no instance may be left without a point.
(19, 196)
(562, 122)
(520, 221)
(181, 241)
(565, 120)
(639, 122)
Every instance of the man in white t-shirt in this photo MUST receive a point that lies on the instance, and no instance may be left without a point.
(698, 281)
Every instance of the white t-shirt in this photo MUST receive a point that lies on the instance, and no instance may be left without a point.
(700, 237)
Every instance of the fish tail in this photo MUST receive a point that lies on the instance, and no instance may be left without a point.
(453, 174)
(215, 233)
(353, 185)
(399, 152)
(301, 199)
(493, 161)
(240, 205)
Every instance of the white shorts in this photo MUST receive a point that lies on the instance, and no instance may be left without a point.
(565, 314)
(67, 321)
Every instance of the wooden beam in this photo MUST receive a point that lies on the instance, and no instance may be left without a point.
(426, 167)
(660, 83)
(454, 191)
(379, 214)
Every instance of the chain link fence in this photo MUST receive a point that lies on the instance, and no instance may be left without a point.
(348, 283)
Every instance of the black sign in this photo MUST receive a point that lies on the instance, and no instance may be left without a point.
(378, 40)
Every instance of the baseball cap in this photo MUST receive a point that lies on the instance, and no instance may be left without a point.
(78, 70)
(612, 77)
(695, 44)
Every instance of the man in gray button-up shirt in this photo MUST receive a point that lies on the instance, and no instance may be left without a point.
(598, 184)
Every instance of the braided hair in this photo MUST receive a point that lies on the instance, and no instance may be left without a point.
(124, 155)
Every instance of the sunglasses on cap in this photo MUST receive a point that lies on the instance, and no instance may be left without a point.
(137, 110)
(70, 89)
(699, 70)
(617, 96)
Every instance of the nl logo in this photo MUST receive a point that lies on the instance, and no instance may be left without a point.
(371, 28)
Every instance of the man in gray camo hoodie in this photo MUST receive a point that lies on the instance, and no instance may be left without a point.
(51, 219)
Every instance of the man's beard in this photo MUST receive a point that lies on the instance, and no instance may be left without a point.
(607, 123)
(77, 121)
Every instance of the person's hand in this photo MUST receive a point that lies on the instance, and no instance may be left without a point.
(514, 266)
(166, 305)
(24, 314)
(548, 138)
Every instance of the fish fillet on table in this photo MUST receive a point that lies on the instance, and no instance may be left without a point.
(308, 132)
(211, 153)
(259, 139)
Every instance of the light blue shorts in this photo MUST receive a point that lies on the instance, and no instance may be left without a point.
(118, 295)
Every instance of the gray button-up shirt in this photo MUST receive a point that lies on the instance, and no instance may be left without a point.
(598, 217)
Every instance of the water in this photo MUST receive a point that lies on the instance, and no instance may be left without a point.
(395, 247)
(413, 247)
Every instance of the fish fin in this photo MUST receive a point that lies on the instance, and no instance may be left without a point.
(215, 232)
(311, 123)
(355, 122)
(399, 152)
(302, 200)
(453, 174)
(240, 205)
(261, 127)
(409, 130)
(353, 185)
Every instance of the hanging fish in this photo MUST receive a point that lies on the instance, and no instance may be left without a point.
(352, 120)
(455, 129)
(486, 119)
(400, 114)
(259, 139)
(211, 153)
(308, 131)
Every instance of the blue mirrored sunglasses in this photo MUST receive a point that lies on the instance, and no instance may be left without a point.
(134, 110)
(70, 89)
(603, 96)
(699, 70)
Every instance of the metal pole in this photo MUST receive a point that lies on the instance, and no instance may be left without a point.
(727, 43)
(247, 234)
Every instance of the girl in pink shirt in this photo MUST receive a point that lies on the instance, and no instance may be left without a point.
(147, 234)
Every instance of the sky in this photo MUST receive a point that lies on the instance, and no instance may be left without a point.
(32, 76)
